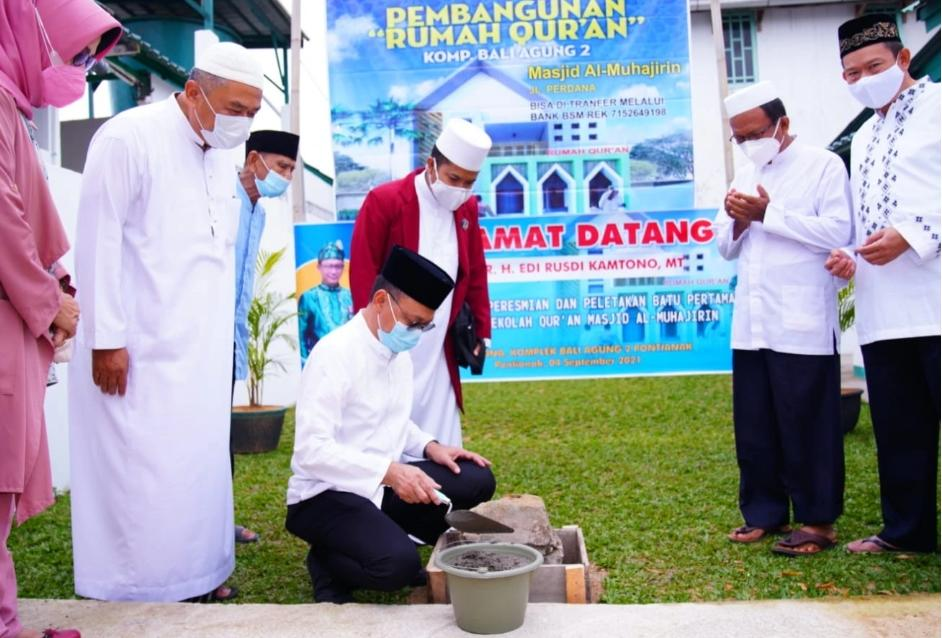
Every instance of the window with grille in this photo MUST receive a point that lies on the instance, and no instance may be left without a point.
(739, 33)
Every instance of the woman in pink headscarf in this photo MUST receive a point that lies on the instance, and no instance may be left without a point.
(46, 47)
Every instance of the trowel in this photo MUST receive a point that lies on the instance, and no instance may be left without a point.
(471, 522)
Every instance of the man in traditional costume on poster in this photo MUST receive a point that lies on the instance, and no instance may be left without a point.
(150, 389)
(431, 211)
(787, 207)
(894, 259)
(327, 305)
(349, 495)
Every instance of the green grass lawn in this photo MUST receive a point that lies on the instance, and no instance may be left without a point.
(646, 466)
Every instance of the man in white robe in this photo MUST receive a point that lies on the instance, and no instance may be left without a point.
(787, 207)
(349, 495)
(150, 379)
(894, 163)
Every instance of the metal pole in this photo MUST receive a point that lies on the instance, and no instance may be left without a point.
(294, 102)
(719, 46)
(208, 17)
(91, 100)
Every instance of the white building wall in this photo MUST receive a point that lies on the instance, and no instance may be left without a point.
(65, 186)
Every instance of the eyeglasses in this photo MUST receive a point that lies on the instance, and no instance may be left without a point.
(755, 135)
(84, 58)
(420, 326)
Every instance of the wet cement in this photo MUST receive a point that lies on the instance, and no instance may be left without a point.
(477, 560)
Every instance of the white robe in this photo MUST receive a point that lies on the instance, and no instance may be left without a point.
(785, 299)
(352, 416)
(434, 407)
(151, 485)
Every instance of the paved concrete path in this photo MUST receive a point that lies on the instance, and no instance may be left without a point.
(886, 616)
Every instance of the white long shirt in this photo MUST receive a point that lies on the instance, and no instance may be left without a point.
(785, 299)
(352, 417)
(154, 256)
(434, 407)
(895, 163)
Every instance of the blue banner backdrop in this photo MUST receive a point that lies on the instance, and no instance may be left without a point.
(587, 101)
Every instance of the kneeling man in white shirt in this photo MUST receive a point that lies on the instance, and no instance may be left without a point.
(349, 495)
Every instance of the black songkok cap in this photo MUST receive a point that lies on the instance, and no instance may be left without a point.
(866, 30)
(278, 142)
(417, 277)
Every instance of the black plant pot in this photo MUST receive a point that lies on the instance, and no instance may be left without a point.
(850, 408)
(256, 428)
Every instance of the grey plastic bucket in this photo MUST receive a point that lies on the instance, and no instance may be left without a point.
(489, 602)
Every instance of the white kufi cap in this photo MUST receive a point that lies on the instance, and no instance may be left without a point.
(464, 144)
(231, 61)
(749, 98)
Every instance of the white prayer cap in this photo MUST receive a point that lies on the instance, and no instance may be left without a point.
(231, 61)
(749, 98)
(464, 144)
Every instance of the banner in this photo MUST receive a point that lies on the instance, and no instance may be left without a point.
(618, 294)
(587, 101)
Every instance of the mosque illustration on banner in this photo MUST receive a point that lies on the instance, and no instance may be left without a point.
(535, 167)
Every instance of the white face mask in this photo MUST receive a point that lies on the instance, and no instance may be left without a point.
(449, 197)
(229, 131)
(876, 91)
(762, 151)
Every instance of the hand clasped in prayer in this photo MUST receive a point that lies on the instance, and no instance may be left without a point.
(747, 208)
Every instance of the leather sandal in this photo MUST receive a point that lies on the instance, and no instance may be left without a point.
(748, 529)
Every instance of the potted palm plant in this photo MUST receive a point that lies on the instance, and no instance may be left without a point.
(257, 427)
(850, 397)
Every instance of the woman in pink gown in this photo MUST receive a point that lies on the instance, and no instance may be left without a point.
(37, 310)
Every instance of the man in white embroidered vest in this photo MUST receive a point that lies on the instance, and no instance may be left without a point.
(895, 163)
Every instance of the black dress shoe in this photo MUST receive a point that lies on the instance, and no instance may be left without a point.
(326, 589)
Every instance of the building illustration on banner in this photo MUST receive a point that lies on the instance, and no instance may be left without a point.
(523, 175)
(529, 170)
(599, 126)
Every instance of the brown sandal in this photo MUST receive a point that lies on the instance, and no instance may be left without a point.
(789, 546)
(748, 529)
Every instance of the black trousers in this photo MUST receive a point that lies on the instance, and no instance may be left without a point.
(903, 384)
(367, 548)
(789, 444)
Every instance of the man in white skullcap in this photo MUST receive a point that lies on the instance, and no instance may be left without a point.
(788, 205)
(150, 378)
(432, 212)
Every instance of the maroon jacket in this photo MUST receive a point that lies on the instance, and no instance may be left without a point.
(389, 216)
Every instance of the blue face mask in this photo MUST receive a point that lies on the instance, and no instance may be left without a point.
(274, 185)
(400, 338)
